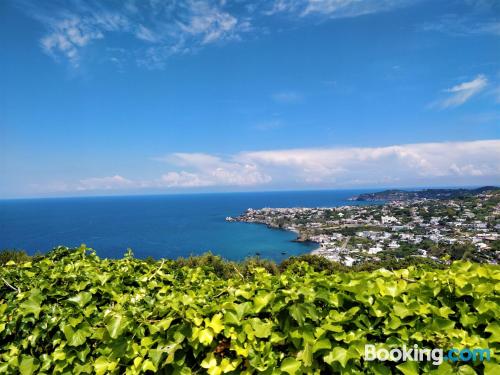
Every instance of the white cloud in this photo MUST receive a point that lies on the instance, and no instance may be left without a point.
(166, 28)
(103, 183)
(71, 32)
(175, 27)
(210, 23)
(211, 170)
(405, 163)
(335, 8)
(420, 164)
(287, 97)
(461, 93)
(146, 34)
(269, 125)
(460, 26)
(183, 179)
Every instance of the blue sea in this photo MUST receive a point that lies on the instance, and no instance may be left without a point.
(160, 226)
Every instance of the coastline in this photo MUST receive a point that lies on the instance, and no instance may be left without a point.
(466, 227)
(298, 235)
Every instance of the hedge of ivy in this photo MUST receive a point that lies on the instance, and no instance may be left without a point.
(72, 312)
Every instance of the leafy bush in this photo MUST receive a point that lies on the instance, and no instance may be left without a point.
(16, 256)
(316, 262)
(73, 313)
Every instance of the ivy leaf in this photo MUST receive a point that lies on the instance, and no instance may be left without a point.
(116, 324)
(443, 369)
(408, 368)
(76, 337)
(231, 317)
(466, 370)
(298, 312)
(321, 344)
(33, 303)
(206, 336)
(28, 365)
(441, 324)
(380, 369)
(306, 355)
(209, 362)
(261, 329)
(338, 354)
(290, 365)
(491, 368)
(81, 299)
(494, 329)
(261, 300)
(103, 365)
(216, 323)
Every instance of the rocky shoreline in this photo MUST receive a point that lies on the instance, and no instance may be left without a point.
(300, 237)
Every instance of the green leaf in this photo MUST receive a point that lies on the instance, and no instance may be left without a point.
(466, 370)
(321, 344)
(216, 323)
(380, 369)
(443, 369)
(32, 305)
(261, 300)
(442, 324)
(103, 365)
(338, 354)
(116, 324)
(408, 368)
(494, 329)
(231, 317)
(290, 365)
(76, 337)
(261, 329)
(491, 368)
(206, 336)
(298, 312)
(81, 299)
(306, 355)
(209, 362)
(148, 365)
(28, 365)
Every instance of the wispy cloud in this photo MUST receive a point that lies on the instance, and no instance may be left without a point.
(166, 28)
(287, 97)
(104, 183)
(460, 26)
(461, 93)
(444, 163)
(144, 33)
(335, 8)
(72, 32)
(269, 125)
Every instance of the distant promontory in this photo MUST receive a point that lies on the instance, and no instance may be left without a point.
(403, 195)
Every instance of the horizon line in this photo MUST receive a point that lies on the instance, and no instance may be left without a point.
(179, 193)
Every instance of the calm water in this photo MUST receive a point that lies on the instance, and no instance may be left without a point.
(158, 226)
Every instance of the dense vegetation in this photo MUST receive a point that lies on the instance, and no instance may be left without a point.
(72, 312)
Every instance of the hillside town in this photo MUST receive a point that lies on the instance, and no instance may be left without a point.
(441, 230)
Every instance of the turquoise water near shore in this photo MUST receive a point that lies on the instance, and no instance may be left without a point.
(158, 226)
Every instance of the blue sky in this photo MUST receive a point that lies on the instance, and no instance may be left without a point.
(119, 97)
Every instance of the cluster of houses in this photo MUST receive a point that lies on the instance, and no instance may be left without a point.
(351, 234)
